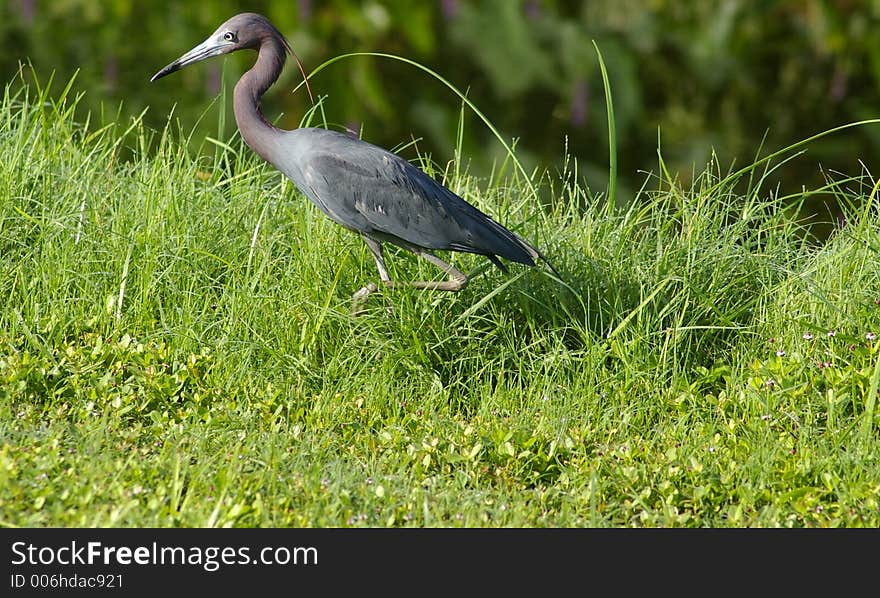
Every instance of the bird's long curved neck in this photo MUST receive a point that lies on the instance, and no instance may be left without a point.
(254, 128)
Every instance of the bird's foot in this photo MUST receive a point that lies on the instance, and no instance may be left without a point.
(359, 299)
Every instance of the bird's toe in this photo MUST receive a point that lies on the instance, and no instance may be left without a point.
(359, 298)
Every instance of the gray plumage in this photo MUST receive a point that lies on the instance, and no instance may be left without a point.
(356, 184)
(372, 191)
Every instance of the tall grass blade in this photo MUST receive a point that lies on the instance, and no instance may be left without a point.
(612, 135)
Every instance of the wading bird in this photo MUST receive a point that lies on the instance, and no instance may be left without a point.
(358, 185)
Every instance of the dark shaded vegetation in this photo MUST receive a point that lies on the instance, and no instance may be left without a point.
(697, 75)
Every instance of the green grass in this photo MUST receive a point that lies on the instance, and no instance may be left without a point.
(176, 349)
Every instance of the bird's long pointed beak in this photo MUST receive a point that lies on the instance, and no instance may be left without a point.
(206, 49)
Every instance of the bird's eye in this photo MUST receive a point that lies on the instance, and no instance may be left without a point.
(229, 36)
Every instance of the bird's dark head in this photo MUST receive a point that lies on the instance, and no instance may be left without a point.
(247, 30)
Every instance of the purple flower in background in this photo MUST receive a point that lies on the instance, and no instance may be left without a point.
(579, 102)
(305, 9)
(450, 9)
(27, 9)
(533, 9)
(838, 87)
(111, 72)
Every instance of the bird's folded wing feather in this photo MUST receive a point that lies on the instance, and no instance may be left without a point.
(376, 191)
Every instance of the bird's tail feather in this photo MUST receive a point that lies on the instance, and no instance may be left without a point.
(523, 247)
(537, 255)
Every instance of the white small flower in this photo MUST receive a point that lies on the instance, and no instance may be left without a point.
(808, 336)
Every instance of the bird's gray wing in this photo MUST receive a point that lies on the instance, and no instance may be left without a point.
(374, 191)
(371, 190)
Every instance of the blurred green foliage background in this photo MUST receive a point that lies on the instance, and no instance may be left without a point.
(716, 74)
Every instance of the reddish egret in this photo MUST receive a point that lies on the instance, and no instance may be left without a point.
(360, 186)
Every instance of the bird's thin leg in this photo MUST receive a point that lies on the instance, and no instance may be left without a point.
(360, 297)
(376, 249)
(457, 279)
